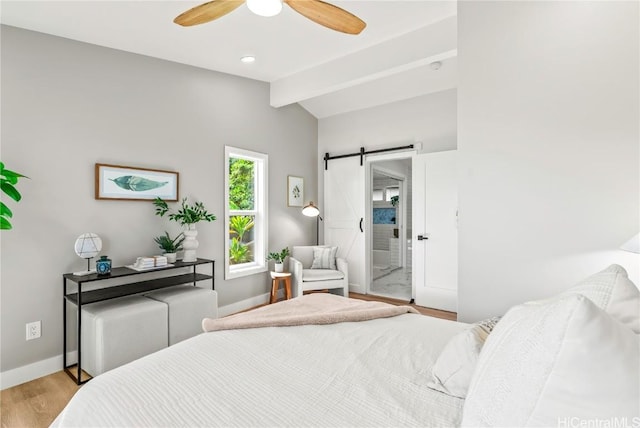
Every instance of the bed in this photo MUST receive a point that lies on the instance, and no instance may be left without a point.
(367, 373)
(568, 360)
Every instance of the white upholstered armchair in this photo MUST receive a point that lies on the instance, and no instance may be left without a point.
(305, 278)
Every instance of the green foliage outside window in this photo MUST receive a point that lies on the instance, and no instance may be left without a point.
(239, 232)
(241, 197)
(238, 252)
(241, 179)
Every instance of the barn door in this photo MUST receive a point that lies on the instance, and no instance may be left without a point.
(344, 212)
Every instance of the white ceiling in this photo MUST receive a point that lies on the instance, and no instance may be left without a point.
(327, 72)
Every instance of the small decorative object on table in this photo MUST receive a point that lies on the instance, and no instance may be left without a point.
(278, 258)
(103, 266)
(87, 246)
(187, 216)
(170, 246)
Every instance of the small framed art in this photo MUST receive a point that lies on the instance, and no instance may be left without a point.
(137, 184)
(295, 191)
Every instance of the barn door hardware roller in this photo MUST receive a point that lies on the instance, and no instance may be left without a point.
(361, 153)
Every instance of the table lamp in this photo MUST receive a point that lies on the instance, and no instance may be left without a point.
(87, 246)
(632, 244)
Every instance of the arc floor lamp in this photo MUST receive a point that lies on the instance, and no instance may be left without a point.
(311, 210)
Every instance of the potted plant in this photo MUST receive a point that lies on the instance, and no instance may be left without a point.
(170, 246)
(187, 215)
(278, 258)
(8, 181)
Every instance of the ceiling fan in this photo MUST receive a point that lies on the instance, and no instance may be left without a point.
(318, 11)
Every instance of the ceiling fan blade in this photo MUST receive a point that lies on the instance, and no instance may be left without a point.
(328, 15)
(207, 12)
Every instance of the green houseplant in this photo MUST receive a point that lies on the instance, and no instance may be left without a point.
(278, 258)
(170, 246)
(8, 181)
(187, 215)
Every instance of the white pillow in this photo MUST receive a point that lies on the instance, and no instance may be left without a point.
(454, 368)
(613, 292)
(547, 364)
(324, 258)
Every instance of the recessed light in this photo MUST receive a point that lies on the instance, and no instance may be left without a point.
(248, 59)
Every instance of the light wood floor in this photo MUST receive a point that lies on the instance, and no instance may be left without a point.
(36, 404)
(451, 316)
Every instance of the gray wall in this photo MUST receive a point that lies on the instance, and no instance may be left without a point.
(67, 105)
(548, 143)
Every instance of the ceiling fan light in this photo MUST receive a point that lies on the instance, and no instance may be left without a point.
(265, 7)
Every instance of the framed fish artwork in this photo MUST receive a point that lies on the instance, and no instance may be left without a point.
(138, 184)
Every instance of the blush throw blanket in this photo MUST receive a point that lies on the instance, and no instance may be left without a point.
(316, 308)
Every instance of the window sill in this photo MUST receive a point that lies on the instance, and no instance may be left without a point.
(245, 271)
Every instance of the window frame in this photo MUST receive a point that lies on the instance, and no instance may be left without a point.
(260, 211)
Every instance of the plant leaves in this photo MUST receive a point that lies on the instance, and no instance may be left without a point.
(5, 211)
(10, 191)
(137, 184)
(10, 176)
(4, 224)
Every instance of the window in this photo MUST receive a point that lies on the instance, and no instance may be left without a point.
(246, 175)
(391, 192)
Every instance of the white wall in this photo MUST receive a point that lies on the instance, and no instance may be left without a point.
(548, 142)
(67, 105)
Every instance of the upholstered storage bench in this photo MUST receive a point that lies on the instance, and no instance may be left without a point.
(187, 306)
(121, 330)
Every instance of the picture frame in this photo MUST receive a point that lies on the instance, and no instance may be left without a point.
(295, 191)
(119, 182)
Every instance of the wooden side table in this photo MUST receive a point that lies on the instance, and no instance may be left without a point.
(276, 277)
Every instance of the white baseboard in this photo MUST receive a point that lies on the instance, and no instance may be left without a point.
(35, 370)
(441, 298)
(243, 305)
(41, 368)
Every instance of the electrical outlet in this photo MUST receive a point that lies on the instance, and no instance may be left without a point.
(33, 330)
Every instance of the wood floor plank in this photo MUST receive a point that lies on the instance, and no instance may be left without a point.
(36, 404)
(437, 313)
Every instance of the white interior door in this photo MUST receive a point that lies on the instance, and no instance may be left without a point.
(435, 206)
(344, 202)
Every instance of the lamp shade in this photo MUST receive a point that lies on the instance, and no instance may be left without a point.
(311, 210)
(632, 244)
(265, 7)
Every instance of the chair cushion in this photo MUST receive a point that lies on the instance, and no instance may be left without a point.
(312, 275)
(324, 258)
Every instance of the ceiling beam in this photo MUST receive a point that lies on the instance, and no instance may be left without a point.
(435, 42)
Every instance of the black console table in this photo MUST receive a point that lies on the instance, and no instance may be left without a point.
(111, 292)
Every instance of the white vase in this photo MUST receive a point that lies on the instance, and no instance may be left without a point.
(279, 267)
(190, 244)
(171, 257)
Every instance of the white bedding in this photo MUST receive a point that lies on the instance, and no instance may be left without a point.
(370, 373)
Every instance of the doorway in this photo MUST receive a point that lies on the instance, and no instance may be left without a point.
(390, 238)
